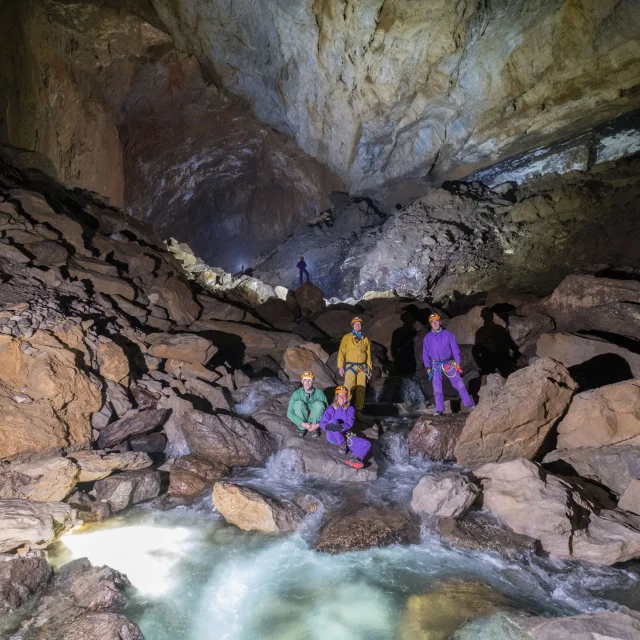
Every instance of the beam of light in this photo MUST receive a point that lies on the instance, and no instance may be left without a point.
(146, 554)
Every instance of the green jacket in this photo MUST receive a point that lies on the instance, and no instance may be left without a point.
(308, 398)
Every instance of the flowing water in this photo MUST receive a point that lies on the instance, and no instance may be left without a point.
(197, 578)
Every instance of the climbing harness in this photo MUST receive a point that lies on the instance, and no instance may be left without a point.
(449, 367)
(358, 367)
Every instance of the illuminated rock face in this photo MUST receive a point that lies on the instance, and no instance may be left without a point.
(386, 92)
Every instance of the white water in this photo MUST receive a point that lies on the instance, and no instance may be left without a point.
(198, 578)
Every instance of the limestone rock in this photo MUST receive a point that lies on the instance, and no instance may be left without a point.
(299, 359)
(608, 415)
(20, 578)
(102, 283)
(507, 298)
(572, 349)
(176, 297)
(514, 422)
(435, 437)
(128, 488)
(226, 439)
(251, 511)
(617, 625)
(528, 329)
(276, 312)
(113, 363)
(46, 480)
(310, 298)
(190, 475)
(185, 347)
(337, 322)
(445, 495)
(365, 527)
(630, 499)
(95, 465)
(213, 394)
(613, 466)
(88, 508)
(37, 524)
(480, 319)
(62, 397)
(137, 424)
(555, 512)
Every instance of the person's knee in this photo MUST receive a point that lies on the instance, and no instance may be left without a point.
(318, 405)
(300, 408)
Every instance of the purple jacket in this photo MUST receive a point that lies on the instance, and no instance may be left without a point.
(438, 347)
(332, 415)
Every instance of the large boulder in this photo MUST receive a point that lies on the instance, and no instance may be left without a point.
(614, 466)
(191, 475)
(337, 322)
(606, 416)
(102, 283)
(572, 349)
(184, 347)
(609, 625)
(176, 297)
(445, 495)
(37, 524)
(46, 399)
(513, 421)
(525, 330)
(128, 488)
(584, 302)
(471, 327)
(365, 527)
(137, 424)
(96, 465)
(251, 511)
(276, 312)
(45, 480)
(20, 578)
(557, 514)
(435, 437)
(310, 298)
(298, 359)
(226, 439)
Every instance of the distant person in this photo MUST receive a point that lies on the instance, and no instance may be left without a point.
(302, 267)
(337, 422)
(306, 406)
(441, 356)
(242, 269)
(354, 363)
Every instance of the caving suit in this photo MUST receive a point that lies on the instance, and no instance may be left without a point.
(439, 351)
(306, 407)
(302, 267)
(344, 417)
(355, 355)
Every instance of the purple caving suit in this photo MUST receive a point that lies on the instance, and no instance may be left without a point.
(359, 447)
(438, 347)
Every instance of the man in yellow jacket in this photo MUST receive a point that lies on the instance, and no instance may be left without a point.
(354, 363)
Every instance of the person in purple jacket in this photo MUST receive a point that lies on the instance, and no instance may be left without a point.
(441, 356)
(337, 422)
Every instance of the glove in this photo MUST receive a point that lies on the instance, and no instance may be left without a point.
(333, 427)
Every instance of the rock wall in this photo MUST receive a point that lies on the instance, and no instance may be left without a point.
(388, 92)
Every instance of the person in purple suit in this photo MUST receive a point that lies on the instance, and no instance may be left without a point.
(441, 356)
(337, 422)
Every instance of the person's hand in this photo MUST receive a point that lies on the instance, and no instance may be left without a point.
(458, 367)
(314, 427)
(428, 370)
(306, 425)
(341, 371)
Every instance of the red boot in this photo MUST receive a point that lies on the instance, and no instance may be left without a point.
(354, 463)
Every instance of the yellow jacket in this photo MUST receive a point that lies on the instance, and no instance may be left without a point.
(352, 350)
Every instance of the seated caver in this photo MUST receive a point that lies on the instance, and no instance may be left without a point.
(337, 422)
(306, 406)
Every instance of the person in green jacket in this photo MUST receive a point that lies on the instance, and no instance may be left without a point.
(306, 406)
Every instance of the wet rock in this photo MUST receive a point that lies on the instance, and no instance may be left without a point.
(252, 511)
(226, 439)
(176, 297)
(480, 532)
(152, 443)
(128, 488)
(513, 421)
(606, 416)
(310, 298)
(617, 625)
(185, 347)
(613, 466)
(365, 527)
(61, 396)
(572, 349)
(438, 614)
(190, 475)
(20, 578)
(465, 328)
(558, 514)
(298, 359)
(36, 524)
(46, 480)
(445, 495)
(139, 423)
(435, 437)
(80, 603)
(88, 508)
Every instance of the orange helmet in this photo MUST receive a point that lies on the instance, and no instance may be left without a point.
(341, 389)
(356, 319)
(434, 316)
(307, 375)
